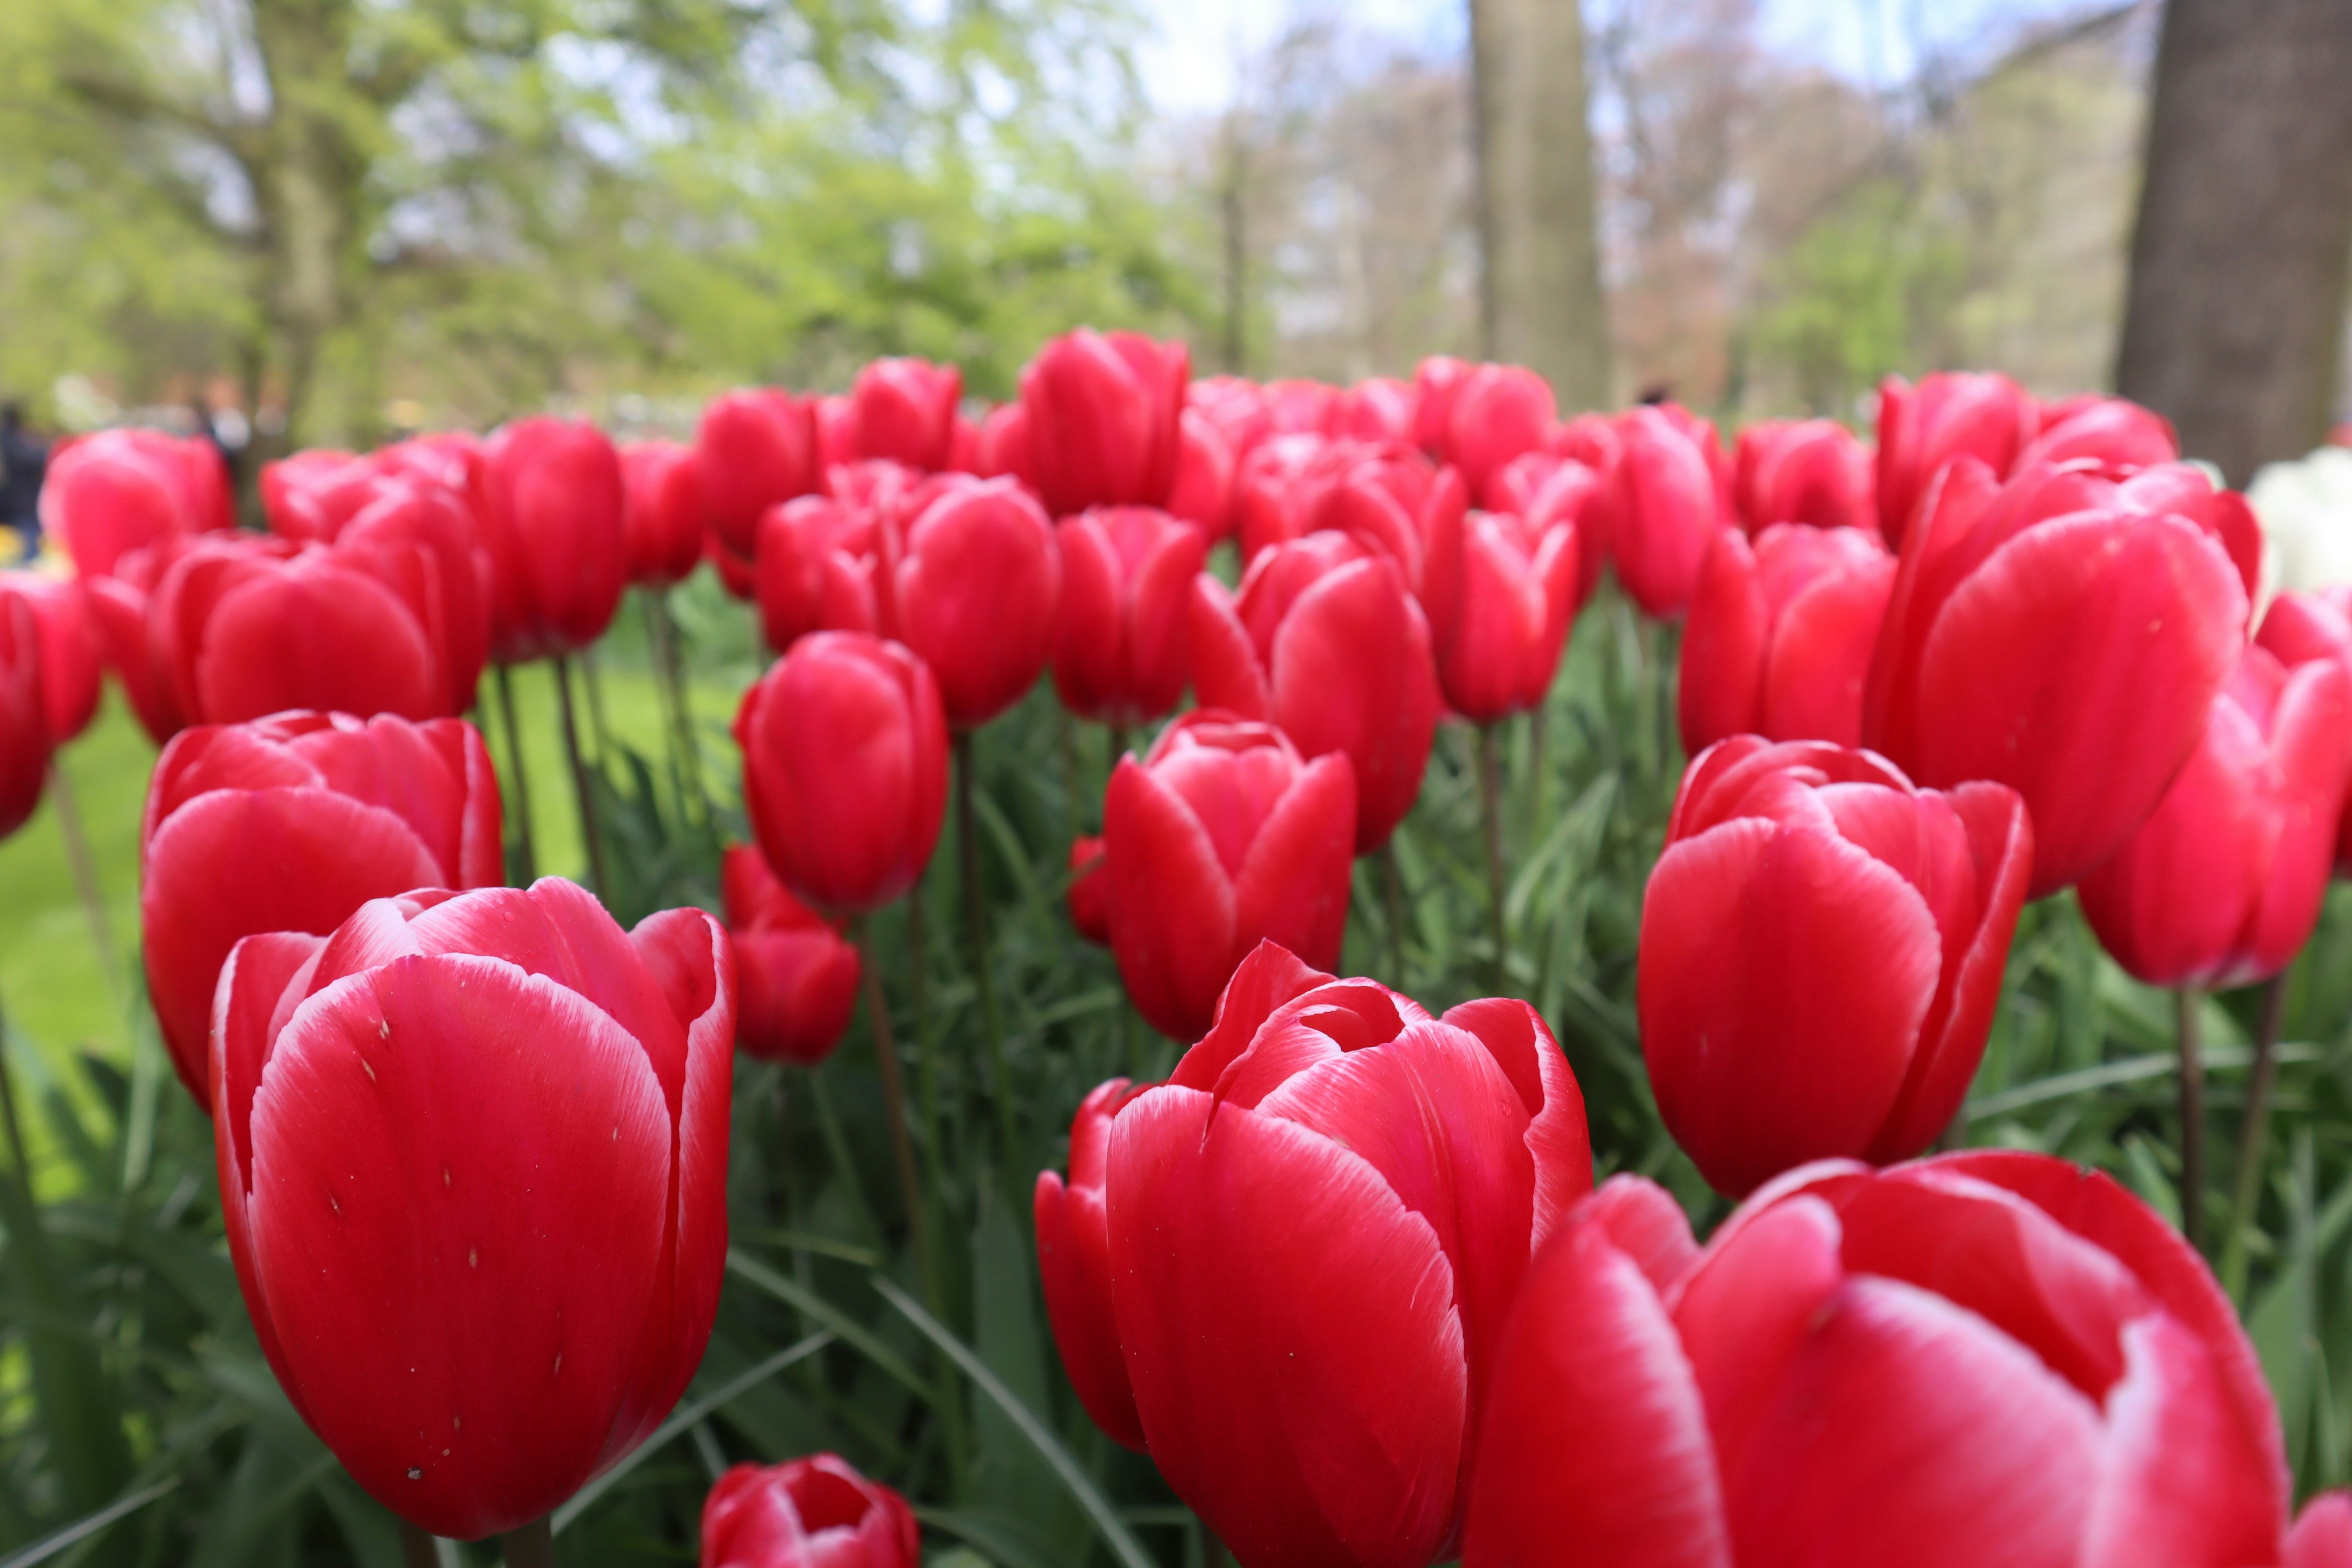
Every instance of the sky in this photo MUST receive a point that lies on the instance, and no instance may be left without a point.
(1188, 65)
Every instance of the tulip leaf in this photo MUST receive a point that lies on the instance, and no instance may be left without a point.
(793, 1294)
(82, 1530)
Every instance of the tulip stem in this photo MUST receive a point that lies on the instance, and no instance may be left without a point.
(975, 916)
(685, 757)
(85, 874)
(521, 797)
(416, 1547)
(894, 1107)
(596, 840)
(2192, 1115)
(2246, 1190)
(1490, 804)
(532, 1546)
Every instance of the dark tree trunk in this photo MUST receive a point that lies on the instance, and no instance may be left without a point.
(1540, 282)
(2242, 253)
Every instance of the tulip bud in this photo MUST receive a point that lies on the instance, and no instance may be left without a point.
(1299, 407)
(1127, 577)
(289, 824)
(1780, 635)
(69, 649)
(1202, 494)
(816, 1512)
(2301, 628)
(1663, 508)
(1498, 411)
(1101, 411)
(755, 449)
(1090, 893)
(1980, 1358)
(2322, 1536)
(473, 1167)
(661, 511)
(1511, 595)
(2118, 435)
(1312, 1233)
(1821, 952)
(844, 769)
(1438, 380)
(24, 712)
(1325, 643)
(1382, 410)
(974, 594)
(904, 410)
(1810, 471)
(1950, 415)
(551, 517)
(1236, 406)
(796, 979)
(119, 491)
(2022, 615)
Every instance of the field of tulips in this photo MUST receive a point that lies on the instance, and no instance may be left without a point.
(1320, 976)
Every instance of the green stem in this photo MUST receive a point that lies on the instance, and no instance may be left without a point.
(975, 917)
(1539, 773)
(1490, 804)
(843, 1162)
(85, 875)
(2245, 1191)
(416, 1548)
(1392, 897)
(532, 1546)
(894, 1108)
(518, 798)
(588, 826)
(2192, 1116)
(595, 684)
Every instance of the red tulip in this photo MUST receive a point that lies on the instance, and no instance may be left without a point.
(1202, 494)
(1382, 410)
(816, 1512)
(1501, 595)
(844, 769)
(1391, 497)
(1438, 380)
(1313, 1234)
(118, 615)
(1127, 577)
(1780, 635)
(795, 978)
(69, 649)
(816, 568)
(1982, 1358)
(1236, 406)
(1812, 471)
(661, 511)
(1276, 485)
(2222, 884)
(1101, 413)
(1498, 411)
(24, 712)
(755, 449)
(1073, 1264)
(2118, 435)
(2300, 628)
(116, 492)
(1663, 508)
(421, 539)
(551, 514)
(1950, 415)
(1218, 840)
(473, 1165)
(2322, 1536)
(290, 824)
(1821, 952)
(1548, 490)
(1301, 406)
(904, 410)
(1090, 893)
(1590, 439)
(836, 431)
(1325, 642)
(2063, 634)
(1001, 450)
(310, 495)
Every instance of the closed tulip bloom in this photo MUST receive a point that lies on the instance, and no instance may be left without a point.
(903, 409)
(1547, 490)
(118, 490)
(1437, 379)
(1102, 412)
(550, 514)
(1498, 411)
(816, 1512)
(1276, 486)
(1202, 494)
(661, 511)
(796, 979)
(2301, 628)
(1236, 406)
(1953, 414)
(1664, 511)
(755, 447)
(310, 495)
(1812, 471)
(290, 824)
(975, 592)
(1780, 635)
(473, 1166)
(1325, 642)
(1126, 578)
(1314, 1232)
(24, 712)
(2322, 1536)
(1821, 953)
(1382, 410)
(69, 649)
(1088, 898)
(1220, 838)
(2222, 884)
(1982, 1358)
(844, 769)
(2064, 636)
(1073, 1265)
(1300, 406)
(1000, 449)
(817, 569)
(2115, 433)
(118, 605)
(422, 538)
(1508, 593)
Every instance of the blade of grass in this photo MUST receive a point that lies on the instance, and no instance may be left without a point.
(82, 1530)
(807, 1303)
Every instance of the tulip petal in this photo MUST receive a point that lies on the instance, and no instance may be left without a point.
(1225, 670)
(1724, 643)
(1269, 977)
(1171, 909)
(1294, 880)
(331, 639)
(1646, 1224)
(1522, 1042)
(2322, 1536)
(1073, 1265)
(1744, 1310)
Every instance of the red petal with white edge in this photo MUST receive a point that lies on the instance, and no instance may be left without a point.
(2322, 1536)
(1074, 1267)
(1905, 1430)
(2182, 1489)
(1290, 1337)
(1595, 1447)
(462, 1321)
(1522, 1046)
(1745, 1309)
(1270, 977)
(1646, 1224)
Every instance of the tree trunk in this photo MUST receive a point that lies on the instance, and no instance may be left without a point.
(1539, 283)
(2242, 253)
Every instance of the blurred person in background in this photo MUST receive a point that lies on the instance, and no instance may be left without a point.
(23, 459)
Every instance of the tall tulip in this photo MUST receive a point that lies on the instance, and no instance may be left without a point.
(795, 978)
(24, 712)
(1498, 411)
(756, 448)
(119, 491)
(661, 511)
(2063, 634)
(1664, 511)
(1810, 471)
(422, 537)
(816, 1512)
(1313, 1232)
(1821, 953)
(1220, 838)
(473, 1166)
(2301, 628)
(903, 409)
(1980, 1358)
(289, 824)
(1126, 578)
(1325, 642)
(2222, 884)
(1780, 635)
(844, 769)
(1101, 414)
(1500, 596)
(551, 512)
(1949, 415)
(1548, 490)
(69, 649)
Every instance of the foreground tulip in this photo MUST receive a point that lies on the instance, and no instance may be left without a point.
(289, 824)
(24, 712)
(904, 410)
(1126, 578)
(69, 649)
(1810, 471)
(755, 449)
(1501, 595)
(1309, 1239)
(1821, 952)
(473, 1166)
(2061, 635)
(795, 978)
(551, 516)
(816, 1512)
(1780, 635)
(1101, 419)
(119, 491)
(1220, 838)
(1950, 415)
(844, 769)
(1323, 642)
(1982, 1358)
(661, 511)
(2222, 884)
(1663, 508)
(2301, 628)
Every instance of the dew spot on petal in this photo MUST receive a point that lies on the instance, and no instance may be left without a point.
(415, 1475)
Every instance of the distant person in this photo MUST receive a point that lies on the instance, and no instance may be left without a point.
(23, 459)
